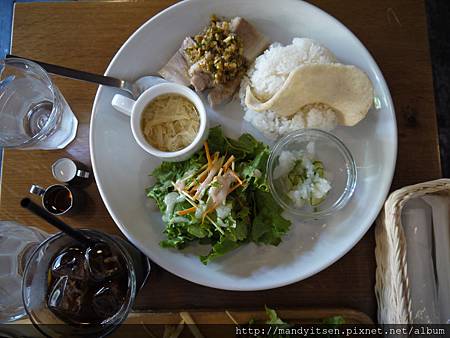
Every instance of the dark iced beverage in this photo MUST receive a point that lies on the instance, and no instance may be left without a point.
(72, 290)
(87, 285)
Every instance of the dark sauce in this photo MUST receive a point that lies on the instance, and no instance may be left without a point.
(58, 199)
(87, 285)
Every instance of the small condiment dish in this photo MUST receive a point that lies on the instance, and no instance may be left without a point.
(134, 109)
(338, 165)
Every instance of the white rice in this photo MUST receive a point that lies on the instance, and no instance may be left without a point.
(266, 76)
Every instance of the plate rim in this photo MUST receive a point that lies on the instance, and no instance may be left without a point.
(268, 285)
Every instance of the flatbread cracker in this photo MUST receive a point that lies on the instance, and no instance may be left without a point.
(346, 89)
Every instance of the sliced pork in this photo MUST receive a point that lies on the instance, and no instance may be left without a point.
(198, 78)
(254, 42)
(181, 70)
(177, 69)
(223, 93)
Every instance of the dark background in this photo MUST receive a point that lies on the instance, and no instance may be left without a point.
(438, 12)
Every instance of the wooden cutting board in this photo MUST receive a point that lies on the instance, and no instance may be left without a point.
(215, 324)
(297, 316)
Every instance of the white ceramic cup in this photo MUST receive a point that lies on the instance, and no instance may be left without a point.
(134, 109)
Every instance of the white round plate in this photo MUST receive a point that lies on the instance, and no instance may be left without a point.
(122, 168)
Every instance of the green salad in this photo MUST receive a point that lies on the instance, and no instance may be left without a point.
(289, 330)
(219, 196)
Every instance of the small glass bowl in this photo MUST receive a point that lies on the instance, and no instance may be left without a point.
(339, 166)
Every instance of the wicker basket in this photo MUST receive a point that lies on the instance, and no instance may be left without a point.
(391, 286)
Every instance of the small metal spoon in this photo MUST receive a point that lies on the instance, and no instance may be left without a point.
(133, 88)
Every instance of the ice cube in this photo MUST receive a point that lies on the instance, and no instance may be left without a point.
(102, 262)
(71, 262)
(107, 300)
(66, 297)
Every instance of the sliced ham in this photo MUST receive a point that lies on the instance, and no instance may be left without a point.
(219, 194)
(213, 172)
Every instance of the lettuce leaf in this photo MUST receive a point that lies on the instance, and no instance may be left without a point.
(273, 317)
(220, 248)
(245, 148)
(335, 321)
(255, 216)
(255, 171)
(268, 225)
(169, 172)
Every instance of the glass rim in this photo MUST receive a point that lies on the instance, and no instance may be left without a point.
(34, 139)
(350, 185)
(112, 321)
(19, 314)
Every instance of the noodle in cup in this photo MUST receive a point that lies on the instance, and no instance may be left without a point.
(136, 110)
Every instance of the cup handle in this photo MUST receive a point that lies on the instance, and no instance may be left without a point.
(37, 190)
(83, 173)
(123, 104)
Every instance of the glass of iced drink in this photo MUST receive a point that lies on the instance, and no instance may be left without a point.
(17, 243)
(86, 289)
(33, 112)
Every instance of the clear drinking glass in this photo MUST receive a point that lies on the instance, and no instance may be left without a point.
(36, 286)
(17, 243)
(33, 113)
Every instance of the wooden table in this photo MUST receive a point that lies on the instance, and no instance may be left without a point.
(86, 35)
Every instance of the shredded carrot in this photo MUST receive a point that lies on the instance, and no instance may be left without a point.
(208, 156)
(200, 178)
(228, 163)
(203, 177)
(210, 209)
(186, 211)
(235, 176)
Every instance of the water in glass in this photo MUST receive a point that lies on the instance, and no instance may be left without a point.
(33, 113)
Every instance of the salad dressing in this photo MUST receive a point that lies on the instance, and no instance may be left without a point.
(200, 210)
(170, 200)
(223, 210)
